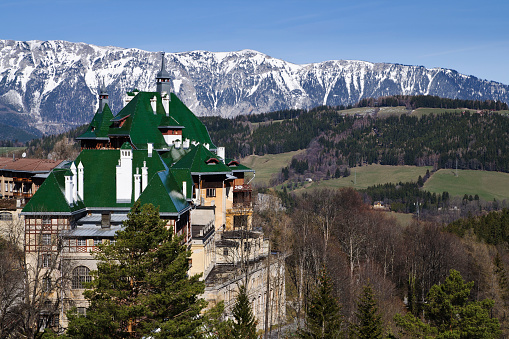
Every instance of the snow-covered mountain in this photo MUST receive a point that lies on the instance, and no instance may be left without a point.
(53, 85)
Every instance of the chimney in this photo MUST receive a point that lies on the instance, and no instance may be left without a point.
(186, 144)
(80, 181)
(68, 189)
(221, 153)
(137, 184)
(74, 182)
(177, 143)
(184, 189)
(150, 147)
(105, 219)
(153, 103)
(144, 176)
(124, 174)
(166, 103)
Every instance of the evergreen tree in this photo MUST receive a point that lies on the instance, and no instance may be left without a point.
(323, 317)
(449, 314)
(141, 286)
(244, 323)
(369, 320)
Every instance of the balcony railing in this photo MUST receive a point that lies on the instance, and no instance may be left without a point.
(242, 188)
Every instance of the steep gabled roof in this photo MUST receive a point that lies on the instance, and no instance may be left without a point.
(141, 124)
(194, 128)
(100, 125)
(50, 197)
(197, 162)
(164, 192)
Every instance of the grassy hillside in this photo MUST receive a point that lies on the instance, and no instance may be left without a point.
(487, 185)
(5, 151)
(369, 175)
(268, 165)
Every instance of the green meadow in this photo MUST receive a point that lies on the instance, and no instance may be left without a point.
(488, 185)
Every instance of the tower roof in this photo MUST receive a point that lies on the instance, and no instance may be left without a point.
(162, 74)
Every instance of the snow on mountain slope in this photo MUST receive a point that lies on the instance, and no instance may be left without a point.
(56, 82)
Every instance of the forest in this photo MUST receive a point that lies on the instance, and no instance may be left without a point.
(363, 250)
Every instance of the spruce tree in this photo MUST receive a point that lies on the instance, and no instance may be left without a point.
(369, 320)
(449, 313)
(323, 317)
(141, 286)
(244, 323)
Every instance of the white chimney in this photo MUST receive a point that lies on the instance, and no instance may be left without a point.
(74, 183)
(81, 181)
(68, 189)
(124, 176)
(127, 99)
(144, 176)
(166, 103)
(186, 143)
(150, 147)
(221, 153)
(137, 184)
(153, 103)
(177, 143)
(184, 189)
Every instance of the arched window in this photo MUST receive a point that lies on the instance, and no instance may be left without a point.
(80, 275)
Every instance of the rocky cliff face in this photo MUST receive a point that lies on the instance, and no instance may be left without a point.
(53, 85)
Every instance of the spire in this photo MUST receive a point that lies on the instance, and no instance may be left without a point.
(103, 96)
(163, 78)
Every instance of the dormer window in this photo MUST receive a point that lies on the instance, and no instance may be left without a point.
(212, 161)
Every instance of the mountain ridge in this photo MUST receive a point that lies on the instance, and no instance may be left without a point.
(56, 82)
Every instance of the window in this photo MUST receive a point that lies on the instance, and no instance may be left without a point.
(46, 260)
(97, 242)
(10, 187)
(225, 252)
(211, 192)
(54, 320)
(5, 216)
(46, 239)
(46, 284)
(82, 242)
(82, 311)
(6, 187)
(80, 275)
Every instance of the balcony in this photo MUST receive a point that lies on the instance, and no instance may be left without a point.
(242, 188)
(25, 180)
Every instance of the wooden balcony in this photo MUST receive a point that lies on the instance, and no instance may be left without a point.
(242, 188)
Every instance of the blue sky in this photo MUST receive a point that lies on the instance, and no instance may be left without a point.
(471, 37)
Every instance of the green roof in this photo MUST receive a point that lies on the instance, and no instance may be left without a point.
(141, 124)
(100, 125)
(183, 174)
(197, 162)
(194, 128)
(126, 145)
(236, 166)
(99, 171)
(50, 197)
(164, 192)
